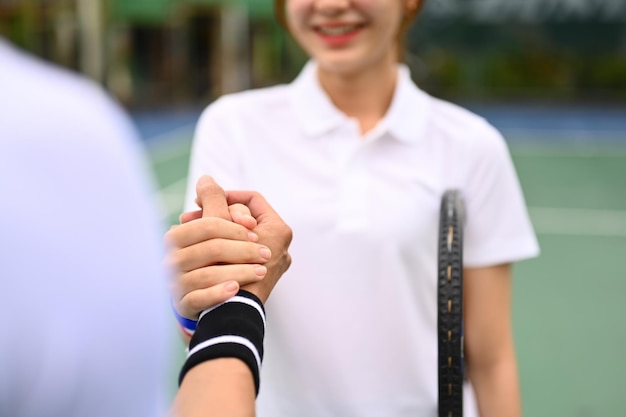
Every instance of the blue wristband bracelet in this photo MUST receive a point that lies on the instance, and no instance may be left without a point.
(185, 323)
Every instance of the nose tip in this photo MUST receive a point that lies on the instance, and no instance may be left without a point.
(331, 6)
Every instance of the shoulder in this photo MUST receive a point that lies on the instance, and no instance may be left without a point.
(52, 114)
(246, 106)
(463, 127)
(56, 98)
(41, 81)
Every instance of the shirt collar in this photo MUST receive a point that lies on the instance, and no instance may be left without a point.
(405, 120)
(313, 107)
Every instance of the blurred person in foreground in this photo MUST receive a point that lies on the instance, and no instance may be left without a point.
(356, 158)
(83, 298)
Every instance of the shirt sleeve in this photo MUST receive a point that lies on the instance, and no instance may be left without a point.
(214, 150)
(498, 229)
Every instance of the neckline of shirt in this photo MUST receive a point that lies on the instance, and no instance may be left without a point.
(405, 120)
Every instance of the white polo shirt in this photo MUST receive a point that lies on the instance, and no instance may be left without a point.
(352, 325)
(83, 304)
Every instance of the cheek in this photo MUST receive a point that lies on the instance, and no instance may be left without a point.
(389, 23)
(297, 15)
(295, 12)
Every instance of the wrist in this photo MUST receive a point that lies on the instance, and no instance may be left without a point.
(233, 329)
(187, 326)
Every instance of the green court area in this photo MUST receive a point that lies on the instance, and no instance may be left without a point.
(568, 309)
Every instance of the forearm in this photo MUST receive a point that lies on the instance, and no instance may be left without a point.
(497, 388)
(489, 345)
(219, 387)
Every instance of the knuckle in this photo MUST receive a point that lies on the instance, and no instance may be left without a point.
(286, 231)
(172, 261)
(208, 223)
(202, 278)
(286, 261)
(215, 250)
(211, 224)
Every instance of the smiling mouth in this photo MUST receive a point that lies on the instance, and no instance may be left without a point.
(338, 30)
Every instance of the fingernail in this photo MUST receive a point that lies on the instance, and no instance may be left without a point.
(265, 253)
(253, 237)
(231, 286)
(260, 271)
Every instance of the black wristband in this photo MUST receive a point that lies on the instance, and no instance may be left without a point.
(235, 329)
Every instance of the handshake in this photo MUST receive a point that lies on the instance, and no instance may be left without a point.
(235, 240)
(226, 257)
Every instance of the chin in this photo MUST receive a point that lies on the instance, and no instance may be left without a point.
(341, 66)
(352, 62)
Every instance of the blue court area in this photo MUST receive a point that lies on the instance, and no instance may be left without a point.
(568, 308)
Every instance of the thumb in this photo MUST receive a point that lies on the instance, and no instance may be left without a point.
(211, 198)
(256, 203)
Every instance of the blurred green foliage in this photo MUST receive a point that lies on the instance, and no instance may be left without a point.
(555, 61)
(164, 50)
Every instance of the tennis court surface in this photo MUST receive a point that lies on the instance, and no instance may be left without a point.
(568, 309)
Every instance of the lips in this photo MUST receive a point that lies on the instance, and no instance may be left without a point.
(337, 30)
(338, 34)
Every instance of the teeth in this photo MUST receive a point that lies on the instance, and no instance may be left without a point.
(337, 30)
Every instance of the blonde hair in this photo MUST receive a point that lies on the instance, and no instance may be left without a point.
(279, 13)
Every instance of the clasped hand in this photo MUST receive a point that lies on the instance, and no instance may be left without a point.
(235, 240)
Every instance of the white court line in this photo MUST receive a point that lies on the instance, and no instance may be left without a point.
(565, 132)
(583, 151)
(578, 222)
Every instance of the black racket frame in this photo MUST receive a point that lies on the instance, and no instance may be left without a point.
(451, 367)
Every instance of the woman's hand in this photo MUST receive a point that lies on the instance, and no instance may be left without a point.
(213, 256)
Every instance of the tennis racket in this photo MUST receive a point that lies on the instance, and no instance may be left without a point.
(450, 305)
